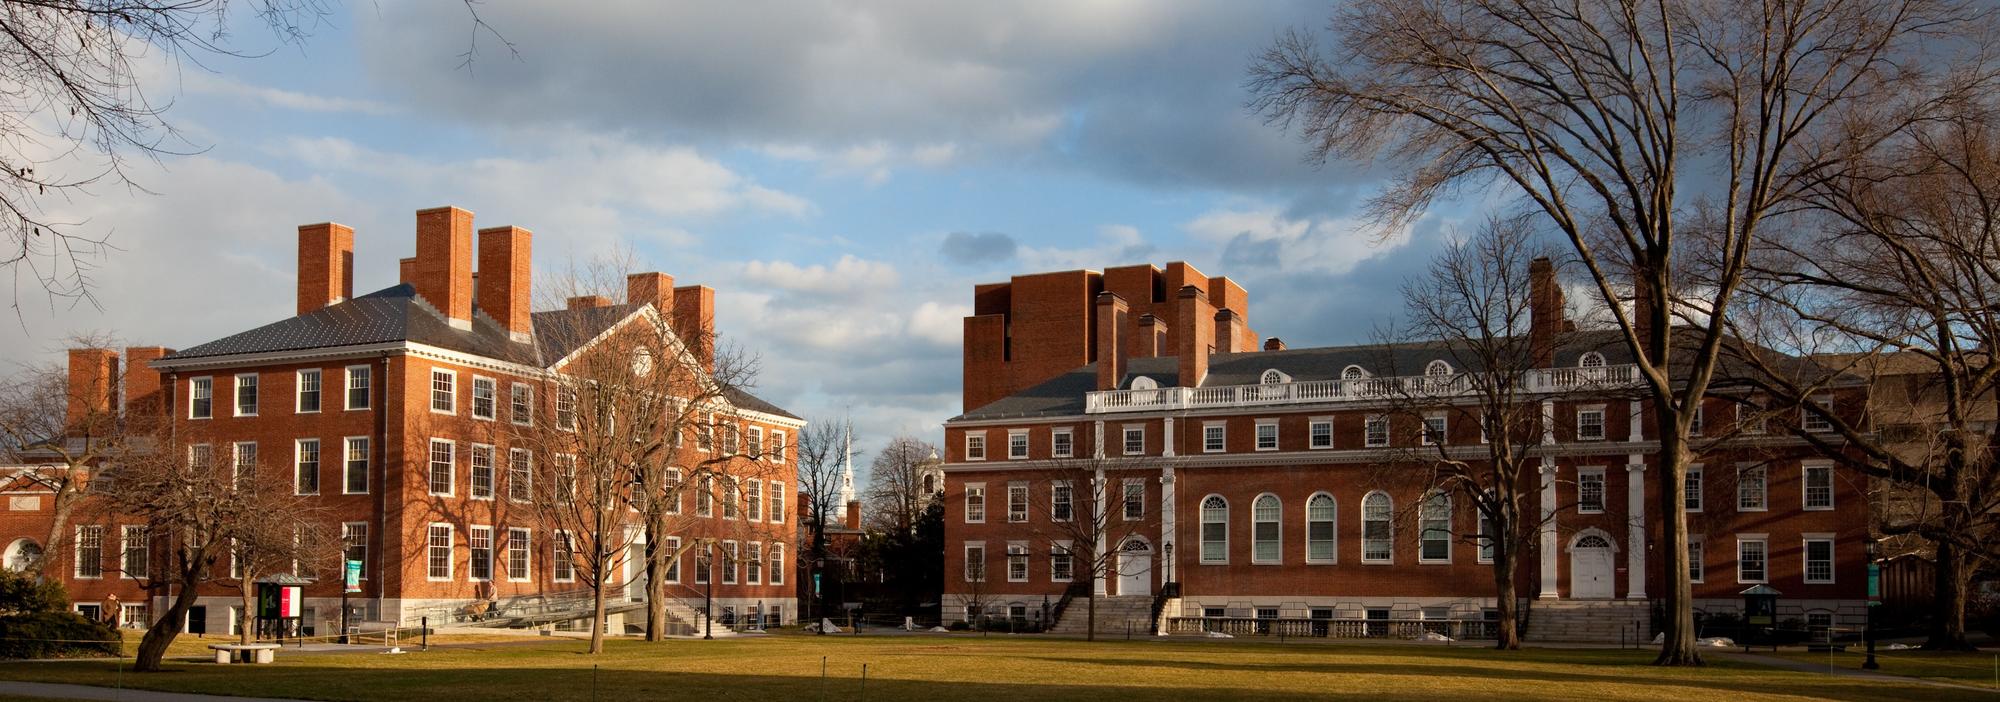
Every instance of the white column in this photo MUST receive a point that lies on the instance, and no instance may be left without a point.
(1097, 490)
(1167, 439)
(1167, 525)
(1635, 541)
(1638, 426)
(1548, 529)
(1099, 441)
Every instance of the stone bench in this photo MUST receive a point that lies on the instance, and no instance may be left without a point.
(244, 653)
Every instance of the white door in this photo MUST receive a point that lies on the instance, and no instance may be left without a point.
(635, 564)
(1135, 568)
(1590, 568)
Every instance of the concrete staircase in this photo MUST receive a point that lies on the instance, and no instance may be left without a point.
(1114, 615)
(1589, 621)
(697, 623)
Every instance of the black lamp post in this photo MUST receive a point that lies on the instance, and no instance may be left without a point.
(708, 600)
(1868, 630)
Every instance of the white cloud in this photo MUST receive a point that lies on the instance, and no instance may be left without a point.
(848, 276)
(1116, 245)
(1263, 235)
(940, 324)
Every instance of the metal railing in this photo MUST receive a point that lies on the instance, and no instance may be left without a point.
(1346, 628)
(1540, 380)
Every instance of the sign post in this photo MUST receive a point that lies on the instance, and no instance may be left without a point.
(352, 575)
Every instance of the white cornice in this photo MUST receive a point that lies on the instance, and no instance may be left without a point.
(276, 357)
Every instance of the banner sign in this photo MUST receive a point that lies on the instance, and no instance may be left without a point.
(1874, 583)
(277, 601)
(353, 576)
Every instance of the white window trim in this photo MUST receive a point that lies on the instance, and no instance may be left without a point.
(319, 464)
(1695, 469)
(985, 501)
(299, 390)
(451, 483)
(1603, 426)
(450, 561)
(1054, 486)
(1832, 500)
(1062, 546)
(1603, 489)
(1124, 486)
(471, 560)
(1444, 434)
(211, 396)
(492, 471)
(1313, 422)
(1806, 416)
(556, 539)
(1361, 513)
(430, 391)
(1027, 562)
(1125, 439)
(346, 384)
(125, 547)
(1450, 528)
(1019, 487)
(972, 438)
(1201, 538)
(1805, 558)
(236, 397)
(1067, 453)
(1740, 469)
(473, 409)
(965, 562)
(1759, 538)
(774, 504)
(364, 547)
(1699, 539)
(1205, 427)
(368, 457)
(1027, 446)
(1257, 435)
(528, 547)
(1307, 520)
(1279, 521)
(1368, 437)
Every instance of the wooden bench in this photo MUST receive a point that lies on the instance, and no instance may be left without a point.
(226, 654)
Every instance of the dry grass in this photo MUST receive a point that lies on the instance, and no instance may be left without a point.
(930, 668)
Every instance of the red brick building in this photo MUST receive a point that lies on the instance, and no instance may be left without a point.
(1259, 482)
(395, 410)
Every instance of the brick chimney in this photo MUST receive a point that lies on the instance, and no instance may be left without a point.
(694, 321)
(586, 302)
(1274, 344)
(1545, 311)
(406, 270)
(1197, 330)
(656, 289)
(93, 391)
(854, 515)
(1152, 339)
(443, 271)
(145, 404)
(1111, 317)
(326, 265)
(506, 273)
(1229, 331)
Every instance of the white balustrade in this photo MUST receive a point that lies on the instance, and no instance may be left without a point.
(1541, 380)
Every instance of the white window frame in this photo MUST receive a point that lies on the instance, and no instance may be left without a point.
(1313, 427)
(1813, 423)
(1806, 487)
(975, 446)
(966, 567)
(971, 490)
(347, 464)
(775, 501)
(198, 386)
(1065, 447)
(1696, 485)
(354, 535)
(236, 395)
(753, 563)
(1277, 522)
(1056, 505)
(1126, 432)
(347, 388)
(77, 560)
(1369, 436)
(1017, 444)
(1017, 502)
(1590, 411)
(430, 462)
(1257, 441)
(1443, 431)
(450, 549)
(236, 463)
(559, 542)
(1697, 559)
(521, 540)
(1126, 502)
(1389, 524)
(1761, 540)
(472, 531)
(1061, 550)
(1217, 430)
(1018, 549)
(318, 464)
(472, 472)
(449, 394)
(299, 390)
(1220, 556)
(1763, 487)
(1333, 528)
(126, 535)
(1603, 490)
(1806, 560)
(1424, 530)
(493, 398)
(529, 484)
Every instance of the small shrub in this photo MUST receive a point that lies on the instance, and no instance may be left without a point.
(21, 594)
(56, 635)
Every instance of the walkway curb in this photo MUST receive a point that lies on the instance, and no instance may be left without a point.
(91, 692)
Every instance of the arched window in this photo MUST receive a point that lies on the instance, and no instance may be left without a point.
(1319, 529)
(642, 362)
(1144, 383)
(1214, 529)
(1375, 532)
(1353, 373)
(1592, 541)
(1435, 520)
(1437, 368)
(1591, 360)
(1264, 519)
(22, 555)
(1273, 377)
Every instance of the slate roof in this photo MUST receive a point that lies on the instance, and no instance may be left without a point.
(397, 314)
(1063, 395)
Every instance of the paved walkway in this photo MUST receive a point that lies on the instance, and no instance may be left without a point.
(1789, 664)
(89, 692)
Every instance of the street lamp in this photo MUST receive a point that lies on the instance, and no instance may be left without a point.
(1874, 600)
(708, 600)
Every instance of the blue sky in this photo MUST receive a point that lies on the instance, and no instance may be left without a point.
(841, 173)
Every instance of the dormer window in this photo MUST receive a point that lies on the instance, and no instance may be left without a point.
(1437, 368)
(1353, 373)
(1273, 377)
(1591, 360)
(642, 362)
(1145, 383)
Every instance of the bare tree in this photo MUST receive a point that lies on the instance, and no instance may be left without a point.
(822, 451)
(896, 496)
(198, 509)
(1074, 513)
(1897, 275)
(80, 108)
(1614, 122)
(36, 429)
(1474, 304)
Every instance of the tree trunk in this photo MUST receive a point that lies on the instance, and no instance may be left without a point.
(657, 557)
(1508, 638)
(60, 511)
(248, 589)
(597, 615)
(1090, 633)
(153, 646)
(1953, 576)
(1677, 648)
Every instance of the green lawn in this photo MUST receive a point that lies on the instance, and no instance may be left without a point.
(933, 668)
(1963, 668)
